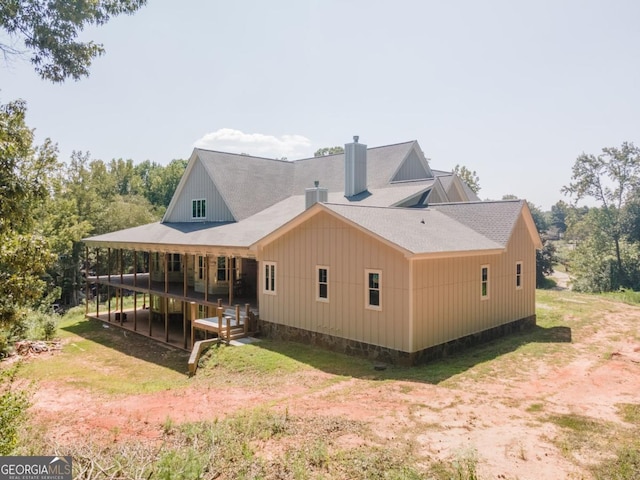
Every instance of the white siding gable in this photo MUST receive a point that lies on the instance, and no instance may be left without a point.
(198, 185)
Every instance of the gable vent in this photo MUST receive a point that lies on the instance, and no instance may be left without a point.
(355, 168)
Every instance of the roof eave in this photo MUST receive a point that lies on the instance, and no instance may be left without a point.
(455, 253)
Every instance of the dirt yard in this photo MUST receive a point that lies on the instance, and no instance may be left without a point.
(498, 409)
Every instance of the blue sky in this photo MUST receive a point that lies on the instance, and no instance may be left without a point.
(513, 90)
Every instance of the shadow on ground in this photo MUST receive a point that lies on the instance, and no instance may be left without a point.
(131, 343)
(433, 372)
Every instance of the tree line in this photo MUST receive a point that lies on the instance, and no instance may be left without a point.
(47, 206)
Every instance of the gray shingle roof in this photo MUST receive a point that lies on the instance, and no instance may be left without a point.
(430, 230)
(440, 228)
(494, 220)
(249, 184)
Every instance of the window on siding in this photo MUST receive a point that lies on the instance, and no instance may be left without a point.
(174, 262)
(201, 267)
(198, 208)
(373, 290)
(484, 282)
(269, 278)
(518, 275)
(322, 288)
(202, 311)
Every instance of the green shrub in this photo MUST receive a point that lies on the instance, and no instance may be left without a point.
(13, 406)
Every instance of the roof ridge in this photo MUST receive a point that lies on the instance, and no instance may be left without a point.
(483, 202)
(244, 155)
(368, 148)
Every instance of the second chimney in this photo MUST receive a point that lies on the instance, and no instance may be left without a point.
(355, 168)
(315, 195)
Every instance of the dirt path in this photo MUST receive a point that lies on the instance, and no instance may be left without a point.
(500, 417)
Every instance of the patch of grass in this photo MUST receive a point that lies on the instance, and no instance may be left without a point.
(626, 296)
(624, 466)
(239, 447)
(105, 361)
(13, 406)
(535, 407)
(577, 423)
(462, 466)
(630, 412)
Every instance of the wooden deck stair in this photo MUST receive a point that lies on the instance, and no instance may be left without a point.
(229, 324)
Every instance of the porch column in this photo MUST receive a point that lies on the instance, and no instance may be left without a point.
(184, 325)
(184, 275)
(166, 319)
(192, 306)
(86, 281)
(206, 278)
(231, 279)
(135, 311)
(97, 282)
(109, 284)
(121, 267)
(135, 292)
(166, 272)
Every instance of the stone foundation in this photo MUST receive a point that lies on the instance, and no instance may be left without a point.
(387, 355)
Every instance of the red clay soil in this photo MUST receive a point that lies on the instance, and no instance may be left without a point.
(497, 416)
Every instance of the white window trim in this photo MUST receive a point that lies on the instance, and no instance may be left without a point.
(318, 297)
(266, 279)
(488, 295)
(193, 217)
(518, 276)
(366, 289)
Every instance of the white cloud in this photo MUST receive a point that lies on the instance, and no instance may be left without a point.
(257, 144)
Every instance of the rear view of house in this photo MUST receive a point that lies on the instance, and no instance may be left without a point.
(369, 252)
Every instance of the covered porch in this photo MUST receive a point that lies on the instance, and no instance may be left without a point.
(163, 295)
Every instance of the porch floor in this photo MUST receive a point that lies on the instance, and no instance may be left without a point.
(140, 283)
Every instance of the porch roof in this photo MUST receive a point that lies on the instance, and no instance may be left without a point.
(234, 238)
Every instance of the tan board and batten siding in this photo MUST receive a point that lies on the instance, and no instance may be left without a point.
(324, 240)
(199, 185)
(447, 292)
(446, 303)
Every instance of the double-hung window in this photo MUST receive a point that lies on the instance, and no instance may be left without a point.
(199, 208)
(322, 285)
(484, 282)
(269, 278)
(373, 289)
(518, 275)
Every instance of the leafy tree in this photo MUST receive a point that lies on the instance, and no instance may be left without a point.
(469, 177)
(25, 171)
(539, 218)
(611, 179)
(323, 152)
(559, 213)
(49, 30)
(545, 259)
(163, 181)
